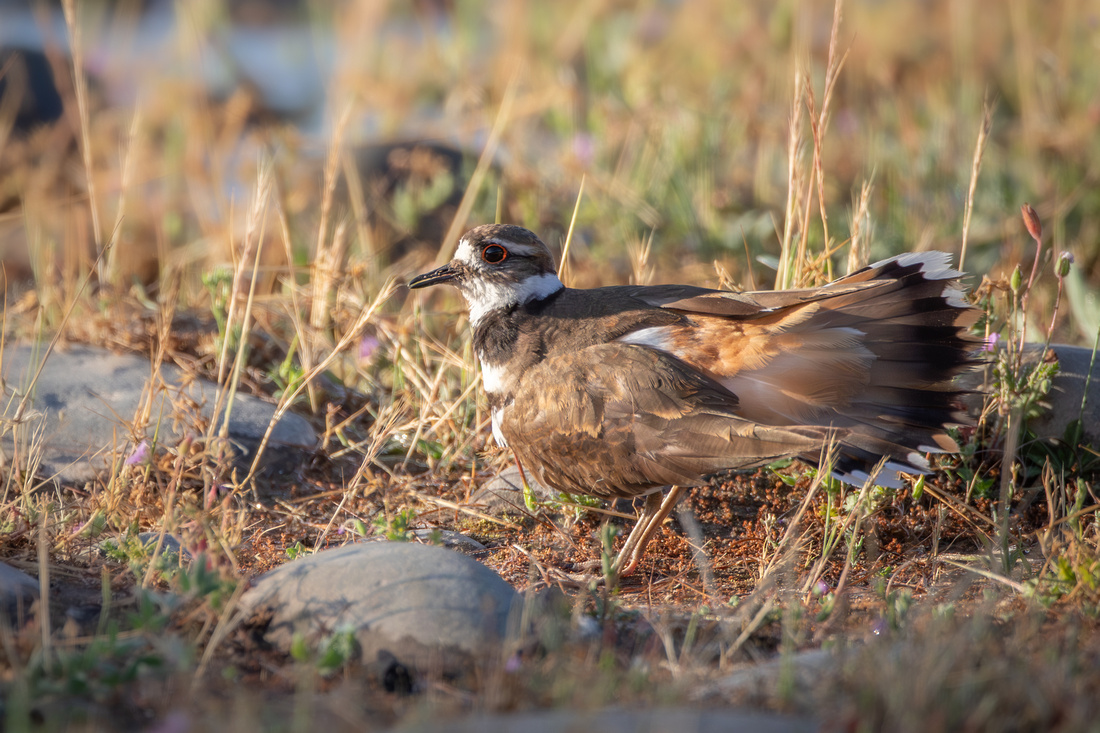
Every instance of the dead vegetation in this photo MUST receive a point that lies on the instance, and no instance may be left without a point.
(696, 143)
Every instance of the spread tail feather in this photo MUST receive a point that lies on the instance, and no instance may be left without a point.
(876, 364)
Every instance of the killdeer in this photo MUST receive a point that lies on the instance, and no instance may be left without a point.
(622, 391)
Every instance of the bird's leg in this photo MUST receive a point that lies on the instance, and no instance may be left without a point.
(519, 466)
(653, 514)
(525, 488)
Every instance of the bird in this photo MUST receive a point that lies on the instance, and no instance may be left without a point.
(624, 391)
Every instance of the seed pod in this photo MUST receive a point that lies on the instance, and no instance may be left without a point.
(1031, 221)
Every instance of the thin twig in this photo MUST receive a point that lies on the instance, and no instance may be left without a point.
(569, 235)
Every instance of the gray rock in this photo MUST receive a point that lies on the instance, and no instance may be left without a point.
(87, 396)
(801, 670)
(420, 603)
(18, 591)
(621, 720)
(171, 546)
(503, 495)
(451, 540)
(1066, 393)
(442, 537)
(172, 550)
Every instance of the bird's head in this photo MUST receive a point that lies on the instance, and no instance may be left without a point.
(497, 267)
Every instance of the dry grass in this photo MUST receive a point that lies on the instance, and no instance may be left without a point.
(701, 136)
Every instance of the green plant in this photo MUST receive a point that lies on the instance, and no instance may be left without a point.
(218, 284)
(332, 653)
(199, 580)
(899, 602)
(297, 550)
(289, 374)
(395, 528)
(608, 533)
(137, 553)
(106, 665)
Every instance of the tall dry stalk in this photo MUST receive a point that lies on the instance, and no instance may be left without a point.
(80, 86)
(794, 184)
(975, 168)
(229, 378)
(640, 251)
(819, 124)
(329, 255)
(792, 263)
(563, 266)
(859, 247)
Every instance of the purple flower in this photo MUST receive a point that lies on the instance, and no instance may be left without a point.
(367, 346)
(584, 148)
(990, 342)
(140, 454)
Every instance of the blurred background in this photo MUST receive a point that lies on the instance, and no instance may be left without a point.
(362, 124)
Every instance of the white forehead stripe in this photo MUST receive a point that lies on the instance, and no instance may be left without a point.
(465, 252)
(517, 248)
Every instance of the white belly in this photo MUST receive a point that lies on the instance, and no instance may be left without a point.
(492, 378)
(498, 414)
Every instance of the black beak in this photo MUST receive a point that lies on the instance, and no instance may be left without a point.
(440, 275)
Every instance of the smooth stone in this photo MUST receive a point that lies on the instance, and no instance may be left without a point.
(802, 670)
(85, 392)
(18, 591)
(447, 538)
(503, 495)
(1066, 392)
(419, 603)
(451, 540)
(620, 720)
(172, 547)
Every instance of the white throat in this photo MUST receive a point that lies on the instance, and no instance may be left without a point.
(483, 296)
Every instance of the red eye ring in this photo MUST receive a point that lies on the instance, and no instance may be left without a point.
(494, 254)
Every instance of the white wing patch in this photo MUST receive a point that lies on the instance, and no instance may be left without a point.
(654, 337)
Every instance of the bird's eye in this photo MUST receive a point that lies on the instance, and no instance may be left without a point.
(494, 253)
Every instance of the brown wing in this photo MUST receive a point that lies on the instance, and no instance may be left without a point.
(618, 420)
(874, 355)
